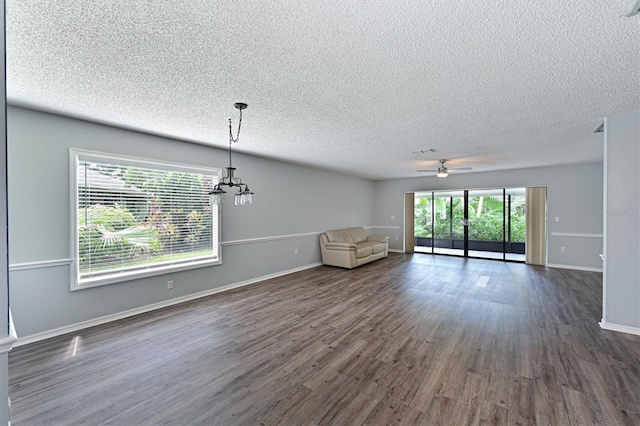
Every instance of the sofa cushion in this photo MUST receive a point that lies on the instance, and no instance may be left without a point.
(363, 250)
(376, 246)
(358, 235)
(339, 236)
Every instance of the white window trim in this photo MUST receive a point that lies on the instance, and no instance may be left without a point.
(124, 276)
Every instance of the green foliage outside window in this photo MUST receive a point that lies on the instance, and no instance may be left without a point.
(111, 235)
(171, 219)
(485, 216)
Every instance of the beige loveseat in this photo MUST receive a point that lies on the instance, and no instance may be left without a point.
(348, 248)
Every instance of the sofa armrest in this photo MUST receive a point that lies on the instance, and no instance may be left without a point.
(340, 246)
(378, 239)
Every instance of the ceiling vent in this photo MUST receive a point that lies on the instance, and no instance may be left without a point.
(600, 129)
(635, 10)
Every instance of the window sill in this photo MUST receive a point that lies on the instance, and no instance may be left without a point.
(124, 276)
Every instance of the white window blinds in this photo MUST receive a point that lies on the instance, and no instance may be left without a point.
(136, 216)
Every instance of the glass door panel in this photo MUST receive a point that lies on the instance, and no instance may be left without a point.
(448, 225)
(423, 227)
(486, 223)
(516, 224)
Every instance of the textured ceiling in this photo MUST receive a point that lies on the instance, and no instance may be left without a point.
(353, 86)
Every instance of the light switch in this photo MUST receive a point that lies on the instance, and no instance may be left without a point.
(557, 218)
(393, 218)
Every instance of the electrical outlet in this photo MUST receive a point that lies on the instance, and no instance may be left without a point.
(169, 284)
(393, 218)
(562, 250)
(557, 218)
(295, 251)
(396, 238)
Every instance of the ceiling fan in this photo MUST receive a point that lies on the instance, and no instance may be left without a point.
(443, 171)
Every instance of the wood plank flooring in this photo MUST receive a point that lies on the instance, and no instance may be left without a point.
(415, 339)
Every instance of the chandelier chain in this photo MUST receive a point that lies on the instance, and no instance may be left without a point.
(237, 138)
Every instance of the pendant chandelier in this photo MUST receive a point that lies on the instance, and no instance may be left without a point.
(243, 196)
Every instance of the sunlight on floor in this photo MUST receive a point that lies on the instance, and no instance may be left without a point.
(72, 350)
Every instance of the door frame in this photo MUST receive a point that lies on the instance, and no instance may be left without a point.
(506, 217)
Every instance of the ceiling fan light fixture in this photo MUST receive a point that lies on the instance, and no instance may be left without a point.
(443, 171)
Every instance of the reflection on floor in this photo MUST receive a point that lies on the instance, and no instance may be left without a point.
(472, 253)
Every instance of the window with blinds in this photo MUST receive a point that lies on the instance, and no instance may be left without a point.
(136, 217)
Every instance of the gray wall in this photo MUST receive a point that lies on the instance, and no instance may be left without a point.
(622, 221)
(289, 199)
(574, 194)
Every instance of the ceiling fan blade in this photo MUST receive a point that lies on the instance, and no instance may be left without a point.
(459, 168)
(430, 170)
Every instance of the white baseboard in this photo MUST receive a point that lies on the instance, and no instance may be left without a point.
(395, 251)
(131, 312)
(576, 268)
(6, 344)
(620, 328)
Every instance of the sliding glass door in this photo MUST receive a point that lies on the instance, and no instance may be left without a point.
(448, 223)
(516, 224)
(439, 222)
(423, 222)
(487, 223)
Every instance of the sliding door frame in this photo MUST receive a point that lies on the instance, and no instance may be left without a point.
(466, 223)
(504, 223)
(506, 216)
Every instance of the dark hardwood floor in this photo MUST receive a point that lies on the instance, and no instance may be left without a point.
(406, 340)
